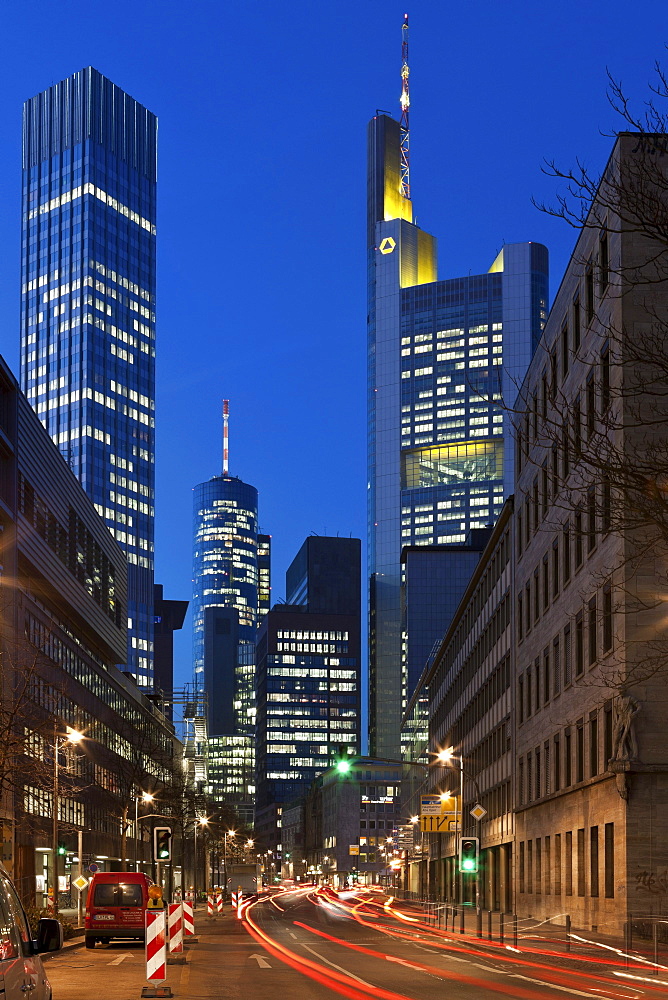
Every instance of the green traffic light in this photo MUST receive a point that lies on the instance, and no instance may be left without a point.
(468, 865)
(62, 849)
(343, 766)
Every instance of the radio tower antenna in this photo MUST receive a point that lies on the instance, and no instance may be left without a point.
(226, 437)
(405, 102)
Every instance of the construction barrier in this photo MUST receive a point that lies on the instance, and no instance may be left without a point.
(188, 919)
(219, 902)
(236, 899)
(209, 906)
(175, 927)
(156, 951)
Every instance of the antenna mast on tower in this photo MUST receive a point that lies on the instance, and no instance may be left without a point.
(226, 440)
(405, 105)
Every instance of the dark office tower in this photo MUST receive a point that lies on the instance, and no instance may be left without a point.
(440, 355)
(325, 575)
(308, 678)
(168, 618)
(264, 574)
(225, 576)
(88, 309)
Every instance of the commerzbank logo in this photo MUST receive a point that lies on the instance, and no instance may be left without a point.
(387, 245)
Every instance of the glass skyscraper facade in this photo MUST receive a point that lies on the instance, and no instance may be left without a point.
(225, 575)
(441, 356)
(88, 268)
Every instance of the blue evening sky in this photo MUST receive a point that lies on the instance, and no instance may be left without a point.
(261, 223)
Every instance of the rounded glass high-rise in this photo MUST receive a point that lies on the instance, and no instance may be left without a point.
(225, 575)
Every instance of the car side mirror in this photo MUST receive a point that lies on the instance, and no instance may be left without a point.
(49, 935)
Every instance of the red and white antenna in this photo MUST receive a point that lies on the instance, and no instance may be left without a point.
(226, 437)
(405, 102)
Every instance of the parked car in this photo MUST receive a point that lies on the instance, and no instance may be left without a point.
(21, 969)
(116, 906)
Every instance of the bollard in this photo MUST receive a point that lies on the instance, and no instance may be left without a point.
(219, 902)
(514, 930)
(656, 948)
(478, 922)
(188, 919)
(462, 927)
(209, 906)
(568, 932)
(489, 925)
(501, 935)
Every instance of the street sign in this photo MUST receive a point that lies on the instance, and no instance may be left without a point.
(478, 811)
(436, 824)
(353, 849)
(93, 868)
(454, 826)
(431, 805)
(80, 883)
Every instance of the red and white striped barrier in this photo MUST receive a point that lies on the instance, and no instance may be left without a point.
(219, 902)
(209, 906)
(236, 899)
(188, 919)
(156, 951)
(175, 926)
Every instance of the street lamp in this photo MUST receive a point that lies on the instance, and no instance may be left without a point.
(73, 736)
(202, 821)
(145, 797)
(226, 834)
(447, 757)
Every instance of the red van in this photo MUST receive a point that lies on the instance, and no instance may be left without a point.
(116, 906)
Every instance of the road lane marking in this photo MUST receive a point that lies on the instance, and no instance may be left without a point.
(338, 967)
(292, 935)
(401, 961)
(262, 962)
(552, 986)
(121, 958)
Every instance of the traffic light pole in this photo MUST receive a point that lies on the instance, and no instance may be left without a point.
(54, 823)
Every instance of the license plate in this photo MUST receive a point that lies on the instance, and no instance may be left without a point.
(103, 916)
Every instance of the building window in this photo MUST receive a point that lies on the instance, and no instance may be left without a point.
(537, 674)
(603, 265)
(609, 860)
(536, 597)
(557, 764)
(546, 767)
(589, 294)
(578, 539)
(557, 864)
(581, 862)
(592, 629)
(519, 532)
(590, 396)
(567, 656)
(529, 865)
(539, 866)
(577, 324)
(538, 772)
(527, 606)
(605, 377)
(546, 675)
(564, 350)
(548, 866)
(606, 632)
(579, 750)
(555, 567)
(593, 861)
(593, 745)
(607, 733)
(546, 584)
(569, 863)
(579, 644)
(520, 782)
(568, 758)
(521, 866)
(566, 551)
(529, 700)
(529, 777)
(591, 519)
(520, 700)
(556, 665)
(520, 618)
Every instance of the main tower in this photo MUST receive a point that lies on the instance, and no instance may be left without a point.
(88, 310)
(440, 356)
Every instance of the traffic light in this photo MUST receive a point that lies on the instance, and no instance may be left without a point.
(162, 843)
(62, 849)
(468, 855)
(343, 766)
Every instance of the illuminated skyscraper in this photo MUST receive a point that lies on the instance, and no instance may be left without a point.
(88, 310)
(440, 355)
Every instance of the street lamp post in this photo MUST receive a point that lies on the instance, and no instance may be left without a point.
(231, 834)
(447, 757)
(144, 797)
(73, 737)
(202, 821)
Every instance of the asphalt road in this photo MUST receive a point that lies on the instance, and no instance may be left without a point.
(309, 945)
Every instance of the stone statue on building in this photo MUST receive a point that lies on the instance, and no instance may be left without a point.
(624, 743)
